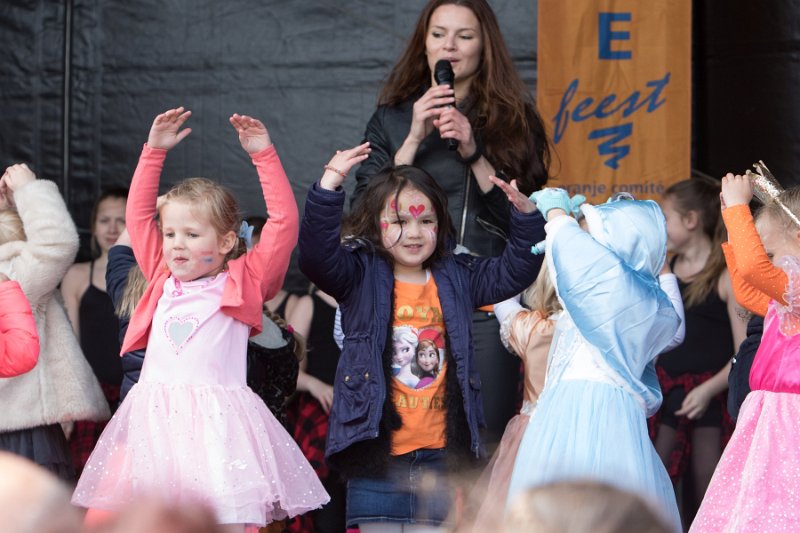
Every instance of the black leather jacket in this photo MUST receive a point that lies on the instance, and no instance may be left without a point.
(480, 220)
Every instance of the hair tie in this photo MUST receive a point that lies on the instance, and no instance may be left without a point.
(289, 328)
(246, 233)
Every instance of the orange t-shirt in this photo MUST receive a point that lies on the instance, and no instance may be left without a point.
(418, 367)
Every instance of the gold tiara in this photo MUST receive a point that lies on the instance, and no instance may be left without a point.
(767, 189)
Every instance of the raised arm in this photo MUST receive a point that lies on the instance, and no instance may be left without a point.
(753, 265)
(52, 240)
(269, 259)
(499, 278)
(322, 258)
(140, 212)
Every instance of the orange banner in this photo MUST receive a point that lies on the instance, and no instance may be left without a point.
(614, 88)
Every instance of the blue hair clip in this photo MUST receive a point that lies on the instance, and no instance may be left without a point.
(246, 233)
(538, 248)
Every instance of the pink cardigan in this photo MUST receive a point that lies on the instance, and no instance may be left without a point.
(19, 342)
(253, 278)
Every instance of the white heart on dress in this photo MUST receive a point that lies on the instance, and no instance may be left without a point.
(180, 330)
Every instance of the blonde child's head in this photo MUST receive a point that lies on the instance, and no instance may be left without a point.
(541, 295)
(199, 222)
(779, 233)
(581, 506)
(11, 228)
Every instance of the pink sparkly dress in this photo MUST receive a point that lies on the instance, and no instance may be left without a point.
(756, 486)
(191, 430)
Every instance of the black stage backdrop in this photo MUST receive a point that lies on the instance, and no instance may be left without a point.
(81, 81)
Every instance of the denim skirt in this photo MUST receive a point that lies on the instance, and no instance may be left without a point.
(414, 490)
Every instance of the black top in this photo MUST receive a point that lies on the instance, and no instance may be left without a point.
(323, 353)
(708, 345)
(99, 330)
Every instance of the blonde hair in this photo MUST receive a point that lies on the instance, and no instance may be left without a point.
(791, 199)
(701, 195)
(11, 228)
(581, 506)
(134, 289)
(216, 201)
(541, 295)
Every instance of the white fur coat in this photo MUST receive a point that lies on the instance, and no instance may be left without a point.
(62, 386)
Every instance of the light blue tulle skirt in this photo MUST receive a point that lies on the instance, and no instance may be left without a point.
(588, 430)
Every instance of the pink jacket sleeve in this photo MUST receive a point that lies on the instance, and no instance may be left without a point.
(140, 212)
(19, 342)
(268, 261)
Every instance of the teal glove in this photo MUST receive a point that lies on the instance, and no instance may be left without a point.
(551, 198)
(576, 202)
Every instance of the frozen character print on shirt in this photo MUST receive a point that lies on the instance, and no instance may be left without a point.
(404, 340)
(429, 357)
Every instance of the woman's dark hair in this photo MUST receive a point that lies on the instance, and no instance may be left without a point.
(500, 107)
(115, 193)
(364, 219)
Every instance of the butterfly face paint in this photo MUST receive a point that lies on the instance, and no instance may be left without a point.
(409, 228)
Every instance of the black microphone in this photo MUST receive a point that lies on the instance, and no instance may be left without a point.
(443, 74)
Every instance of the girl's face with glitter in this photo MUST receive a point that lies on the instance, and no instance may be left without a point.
(192, 248)
(409, 228)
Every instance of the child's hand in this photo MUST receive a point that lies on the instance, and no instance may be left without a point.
(736, 190)
(552, 199)
(164, 132)
(252, 133)
(338, 167)
(517, 199)
(696, 402)
(14, 177)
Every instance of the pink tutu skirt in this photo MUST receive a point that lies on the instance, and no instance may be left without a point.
(200, 443)
(756, 486)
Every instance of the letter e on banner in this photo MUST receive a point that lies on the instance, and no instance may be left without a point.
(614, 87)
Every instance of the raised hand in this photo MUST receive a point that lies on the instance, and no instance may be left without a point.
(14, 177)
(164, 132)
(552, 199)
(517, 199)
(736, 190)
(341, 163)
(252, 133)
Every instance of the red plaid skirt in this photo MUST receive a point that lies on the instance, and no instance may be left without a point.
(679, 457)
(85, 433)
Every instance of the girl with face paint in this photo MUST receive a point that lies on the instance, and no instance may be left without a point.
(399, 286)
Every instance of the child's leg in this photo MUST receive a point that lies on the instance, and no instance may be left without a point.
(665, 442)
(706, 452)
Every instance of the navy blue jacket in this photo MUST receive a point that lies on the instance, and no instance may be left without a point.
(120, 262)
(363, 282)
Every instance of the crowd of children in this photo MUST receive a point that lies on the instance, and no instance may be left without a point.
(233, 408)
(400, 404)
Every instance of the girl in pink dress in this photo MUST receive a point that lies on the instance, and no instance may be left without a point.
(756, 486)
(191, 429)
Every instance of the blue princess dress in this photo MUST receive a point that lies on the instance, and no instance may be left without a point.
(601, 385)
